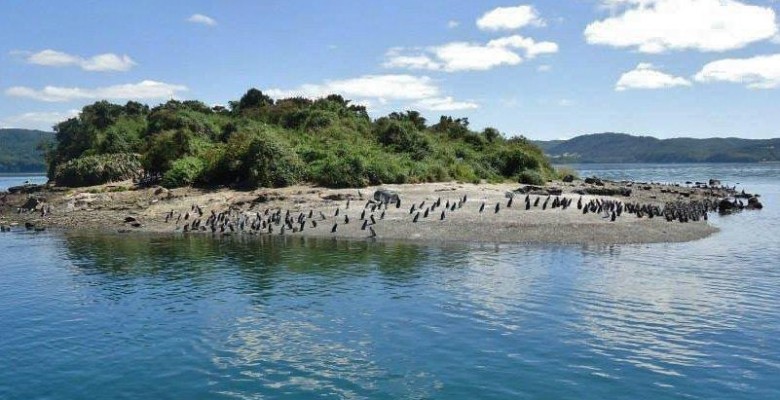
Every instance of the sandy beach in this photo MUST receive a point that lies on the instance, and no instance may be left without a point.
(119, 207)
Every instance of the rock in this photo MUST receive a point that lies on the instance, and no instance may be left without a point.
(754, 204)
(385, 196)
(25, 189)
(601, 191)
(594, 181)
(130, 219)
(528, 189)
(569, 178)
(714, 182)
(161, 191)
(32, 203)
(29, 226)
(725, 206)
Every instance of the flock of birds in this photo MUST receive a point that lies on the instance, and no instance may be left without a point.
(278, 221)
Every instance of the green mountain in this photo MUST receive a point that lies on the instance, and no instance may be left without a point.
(19, 150)
(623, 148)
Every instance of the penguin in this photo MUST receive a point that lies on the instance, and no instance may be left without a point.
(346, 219)
(373, 221)
(337, 213)
(333, 230)
(482, 207)
(365, 224)
(509, 203)
(498, 207)
(373, 232)
(416, 217)
(442, 216)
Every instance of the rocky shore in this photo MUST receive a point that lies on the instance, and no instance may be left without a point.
(588, 211)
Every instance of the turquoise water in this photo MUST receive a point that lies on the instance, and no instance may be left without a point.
(126, 317)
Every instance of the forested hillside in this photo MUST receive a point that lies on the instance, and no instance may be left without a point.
(261, 142)
(623, 148)
(19, 150)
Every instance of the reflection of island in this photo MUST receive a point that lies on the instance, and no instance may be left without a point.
(260, 261)
(652, 312)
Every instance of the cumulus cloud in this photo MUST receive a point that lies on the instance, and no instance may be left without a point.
(100, 62)
(647, 76)
(444, 104)
(453, 24)
(509, 18)
(395, 87)
(760, 72)
(370, 90)
(37, 120)
(657, 26)
(202, 19)
(142, 90)
(464, 56)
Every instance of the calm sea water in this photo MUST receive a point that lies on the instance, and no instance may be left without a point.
(10, 180)
(125, 317)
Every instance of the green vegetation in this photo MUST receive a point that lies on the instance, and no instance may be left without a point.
(259, 142)
(20, 150)
(622, 148)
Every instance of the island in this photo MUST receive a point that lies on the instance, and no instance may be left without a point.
(300, 167)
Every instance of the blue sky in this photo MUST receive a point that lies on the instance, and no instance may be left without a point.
(544, 69)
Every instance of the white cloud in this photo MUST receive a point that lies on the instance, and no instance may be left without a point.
(100, 62)
(444, 104)
(452, 24)
(375, 91)
(656, 26)
(37, 120)
(396, 59)
(776, 39)
(142, 90)
(202, 19)
(565, 102)
(396, 87)
(531, 47)
(647, 76)
(760, 72)
(508, 18)
(464, 56)
(544, 68)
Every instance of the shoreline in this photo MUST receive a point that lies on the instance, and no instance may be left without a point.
(119, 208)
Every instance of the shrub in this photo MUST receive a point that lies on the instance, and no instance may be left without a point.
(97, 170)
(531, 177)
(184, 171)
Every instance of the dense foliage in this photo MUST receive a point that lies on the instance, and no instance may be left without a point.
(20, 150)
(259, 142)
(622, 148)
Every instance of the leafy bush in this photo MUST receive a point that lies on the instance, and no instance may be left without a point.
(97, 170)
(531, 177)
(184, 171)
(264, 142)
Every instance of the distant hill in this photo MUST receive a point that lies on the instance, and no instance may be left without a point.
(19, 150)
(623, 148)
